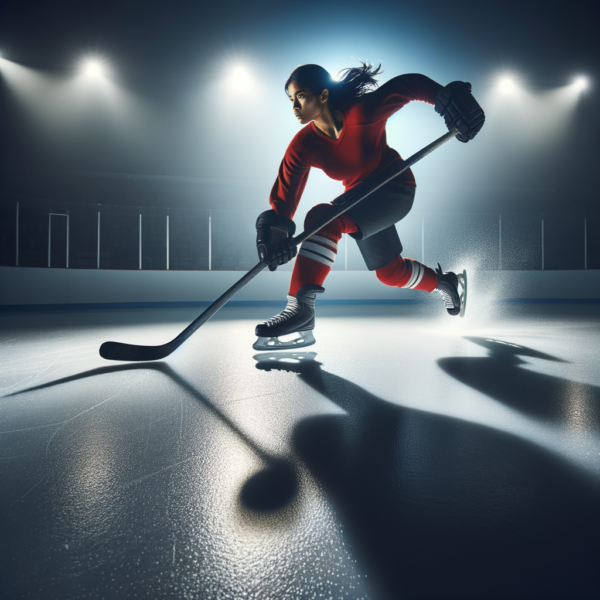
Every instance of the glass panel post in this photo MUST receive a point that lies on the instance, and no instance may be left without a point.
(542, 243)
(500, 241)
(98, 251)
(68, 218)
(50, 215)
(49, 236)
(17, 242)
(209, 241)
(140, 239)
(167, 242)
(585, 243)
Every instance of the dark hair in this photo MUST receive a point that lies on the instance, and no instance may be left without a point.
(351, 84)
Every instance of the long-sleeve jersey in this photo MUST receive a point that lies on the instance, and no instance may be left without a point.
(361, 151)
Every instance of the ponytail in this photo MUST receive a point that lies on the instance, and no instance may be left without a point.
(350, 86)
(357, 81)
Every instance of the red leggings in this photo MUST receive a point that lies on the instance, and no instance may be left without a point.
(317, 254)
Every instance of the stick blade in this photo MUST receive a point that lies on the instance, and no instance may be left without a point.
(133, 353)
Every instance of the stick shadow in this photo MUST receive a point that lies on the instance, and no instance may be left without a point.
(437, 507)
(270, 489)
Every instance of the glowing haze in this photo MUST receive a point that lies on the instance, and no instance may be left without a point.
(200, 91)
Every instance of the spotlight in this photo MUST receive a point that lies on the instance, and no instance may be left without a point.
(93, 67)
(507, 84)
(581, 82)
(240, 77)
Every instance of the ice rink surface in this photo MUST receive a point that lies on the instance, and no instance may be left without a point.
(407, 454)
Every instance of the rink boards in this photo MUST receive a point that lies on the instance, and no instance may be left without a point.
(33, 286)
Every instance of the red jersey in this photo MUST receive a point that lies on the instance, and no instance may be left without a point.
(359, 153)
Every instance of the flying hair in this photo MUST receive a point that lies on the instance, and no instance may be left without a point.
(351, 84)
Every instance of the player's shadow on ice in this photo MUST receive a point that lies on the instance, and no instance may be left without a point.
(501, 376)
(434, 507)
(437, 507)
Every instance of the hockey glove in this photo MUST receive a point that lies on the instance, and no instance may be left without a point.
(458, 107)
(274, 239)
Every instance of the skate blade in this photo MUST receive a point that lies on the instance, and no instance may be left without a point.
(305, 338)
(462, 280)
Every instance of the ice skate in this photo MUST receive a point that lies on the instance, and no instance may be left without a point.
(453, 289)
(297, 320)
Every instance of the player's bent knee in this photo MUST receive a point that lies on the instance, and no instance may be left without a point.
(320, 212)
(316, 213)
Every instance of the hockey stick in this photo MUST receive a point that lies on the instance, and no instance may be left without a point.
(344, 202)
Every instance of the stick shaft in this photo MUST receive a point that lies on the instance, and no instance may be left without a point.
(219, 303)
(344, 202)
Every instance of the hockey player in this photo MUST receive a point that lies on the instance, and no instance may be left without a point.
(344, 135)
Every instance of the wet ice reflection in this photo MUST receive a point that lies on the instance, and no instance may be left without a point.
(222, 471)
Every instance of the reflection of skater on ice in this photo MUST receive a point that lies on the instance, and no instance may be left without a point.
(345, 137)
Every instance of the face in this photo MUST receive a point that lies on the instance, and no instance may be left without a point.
(306, 104)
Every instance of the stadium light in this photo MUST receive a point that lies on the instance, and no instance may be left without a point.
(581, 83)
(240, 77)
(508, 84)
(93, 67)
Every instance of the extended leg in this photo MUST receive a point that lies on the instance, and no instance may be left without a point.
(408, 273)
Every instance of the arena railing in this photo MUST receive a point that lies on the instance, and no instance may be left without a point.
(47, 233)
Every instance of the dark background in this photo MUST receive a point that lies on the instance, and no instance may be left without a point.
(174, 132)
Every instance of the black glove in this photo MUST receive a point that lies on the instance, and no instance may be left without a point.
(274, 239)
(458, 107)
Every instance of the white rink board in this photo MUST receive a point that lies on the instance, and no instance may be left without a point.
(31, 286)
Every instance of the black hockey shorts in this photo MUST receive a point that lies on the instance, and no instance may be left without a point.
(377, 238)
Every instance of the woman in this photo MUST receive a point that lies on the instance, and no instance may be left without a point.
(345, 137)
